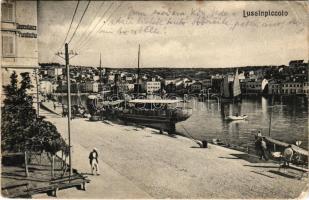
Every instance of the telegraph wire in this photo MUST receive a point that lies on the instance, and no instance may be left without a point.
(71, 22)
(90, 25)
(62, 44)
(99, 22)
(103, 23)
(79, 22)
(111, 15)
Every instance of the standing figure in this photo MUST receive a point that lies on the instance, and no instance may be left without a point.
(93, 158)
(258, 147)
(263, 149)
(287, 155)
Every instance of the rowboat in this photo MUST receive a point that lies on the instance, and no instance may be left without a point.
(234, 117)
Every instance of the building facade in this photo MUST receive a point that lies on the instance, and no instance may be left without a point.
(19, 40)
(253, 87)
(206, 83)
(153, 86)
(292, 88)
(306, 88)
(274, 88)
(55, 71)
(46, 87)
(196, 87)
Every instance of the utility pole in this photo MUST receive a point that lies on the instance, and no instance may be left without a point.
(66, 50)
(67, 65)
(270, 115)
(37, 93)
(100, 67)
(138, 70)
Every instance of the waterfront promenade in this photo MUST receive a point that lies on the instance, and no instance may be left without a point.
(140, 163)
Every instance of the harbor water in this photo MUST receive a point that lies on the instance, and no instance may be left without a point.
(284, 120)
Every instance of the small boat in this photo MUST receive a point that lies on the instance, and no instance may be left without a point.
(235, 117)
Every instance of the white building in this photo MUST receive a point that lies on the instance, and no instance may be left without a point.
(306, 88)
(55, 71)
(253, 87)
(111, 77)
(206, 83)
(130, 86)
(129, 78)
(292, 88)
(153, 86)
(19, 39)
(46, 87)
(173, 81)
(96, 78)
(274, 88)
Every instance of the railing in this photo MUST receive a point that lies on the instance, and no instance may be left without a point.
(168, 113)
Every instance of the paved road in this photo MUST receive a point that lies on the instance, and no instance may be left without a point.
(110, 183)
(140, 163)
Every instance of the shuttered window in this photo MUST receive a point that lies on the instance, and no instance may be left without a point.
(8, 45)
(7, 12)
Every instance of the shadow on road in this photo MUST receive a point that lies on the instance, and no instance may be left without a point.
(261, 166)
(262, 174)
(282, 174)
(249, 158)
(229, 158)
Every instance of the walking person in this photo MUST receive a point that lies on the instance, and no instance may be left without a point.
(93, 158)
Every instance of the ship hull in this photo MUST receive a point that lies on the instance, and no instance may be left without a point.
(231, 99)
(162, 123)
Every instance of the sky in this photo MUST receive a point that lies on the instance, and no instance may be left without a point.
(174, 34)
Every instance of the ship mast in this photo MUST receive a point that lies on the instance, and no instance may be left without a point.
(100, 67)
(138, 70)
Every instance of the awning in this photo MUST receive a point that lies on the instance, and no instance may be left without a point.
(155, 101)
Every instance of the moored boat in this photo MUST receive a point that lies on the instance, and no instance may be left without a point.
(235, 117)
(300, 156)
(161, 114)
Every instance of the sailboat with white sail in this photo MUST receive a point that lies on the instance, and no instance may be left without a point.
(236, 87)
(236, 97)
(230, 91)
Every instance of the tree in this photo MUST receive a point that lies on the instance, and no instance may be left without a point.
(21, 130)
(8, 112)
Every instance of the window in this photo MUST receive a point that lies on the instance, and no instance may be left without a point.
(8, 45)
(7, 11)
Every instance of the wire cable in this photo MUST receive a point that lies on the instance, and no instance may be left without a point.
(91, 24)
(88, 36)
(62, 44)
(79, 22)
(111, 16)
(71, 22)
(106, 21)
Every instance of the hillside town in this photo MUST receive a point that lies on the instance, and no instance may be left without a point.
(284, 80)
